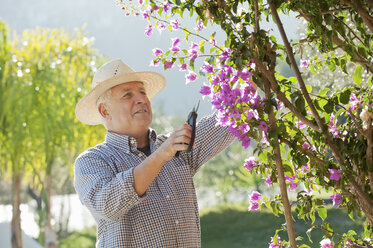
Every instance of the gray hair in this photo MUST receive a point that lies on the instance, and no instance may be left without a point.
(104, 99)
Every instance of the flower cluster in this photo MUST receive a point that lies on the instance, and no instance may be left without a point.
(254, 198)
(326, 243)
(250, 163)
(293, 185)
(275, 244)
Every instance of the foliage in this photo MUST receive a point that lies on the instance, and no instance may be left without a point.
(42, 74)
(83, 239)
(224, 173)
(229, 225)
(318, 140)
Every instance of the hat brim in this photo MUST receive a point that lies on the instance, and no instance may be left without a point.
(86, 109)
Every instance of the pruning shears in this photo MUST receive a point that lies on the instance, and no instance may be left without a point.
(191, 120)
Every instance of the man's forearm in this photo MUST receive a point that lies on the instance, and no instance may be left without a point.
(144, 173)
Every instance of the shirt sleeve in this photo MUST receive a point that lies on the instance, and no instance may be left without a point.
(210, 140)
(106, 194)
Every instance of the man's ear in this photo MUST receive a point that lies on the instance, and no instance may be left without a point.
(104, 112)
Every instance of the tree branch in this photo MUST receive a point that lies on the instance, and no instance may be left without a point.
(367, 18)
(302, 85)
(369, 133)
(305, 151)
(340, 43)
(280, 172)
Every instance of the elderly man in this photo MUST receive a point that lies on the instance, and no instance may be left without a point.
(138, 191)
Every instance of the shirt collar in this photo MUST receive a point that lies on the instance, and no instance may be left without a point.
(125, 142)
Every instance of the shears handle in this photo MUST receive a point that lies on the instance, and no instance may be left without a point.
(192, 119)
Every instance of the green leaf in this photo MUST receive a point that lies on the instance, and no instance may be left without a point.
(309, 234)
(342, 62)
(344, 98)
(332, 66)
(312, 216)
(357, 75)
(191, 64)
(309, 88)
(322, 213)
(329, 107)
(304, 246)
(323, 91)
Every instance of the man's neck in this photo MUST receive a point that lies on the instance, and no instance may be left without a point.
(143, 140)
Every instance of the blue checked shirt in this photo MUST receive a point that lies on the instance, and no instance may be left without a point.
(167, 214)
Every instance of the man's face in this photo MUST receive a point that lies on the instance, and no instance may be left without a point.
(130, 110)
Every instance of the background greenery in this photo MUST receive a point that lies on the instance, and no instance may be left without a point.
(231, 225)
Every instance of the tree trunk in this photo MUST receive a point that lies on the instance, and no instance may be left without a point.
(49, 234)
(16, 230)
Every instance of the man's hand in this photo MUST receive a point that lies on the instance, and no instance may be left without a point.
(178, 141)
(145, 172)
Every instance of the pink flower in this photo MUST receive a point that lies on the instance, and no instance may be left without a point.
(155, 62)
(175, 24)
(205, 90)
(208, 68)
(157, 51)
(226, 53)
(250, 163)
(293, 186)
(280, 105)
(183, 67)
(335, 174)
(166, 6)
(300, 125)
(253, 206)
(275, 245)
(161, 26)
(303, 63)
(149, 30)
(355, 102)
(305, 168)
(168, 64)
(263, 126)
(255, 196)
(191, 76)
(193, 52)
(175, 45)
(145, 14)
(326, 243)
(306, 146)
(332, 127)
(268, 181)
(337, 199)
(200, 25)
(289, 179)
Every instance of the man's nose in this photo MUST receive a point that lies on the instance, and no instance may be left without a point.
(140, 98)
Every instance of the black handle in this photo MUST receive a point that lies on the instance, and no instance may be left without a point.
(192, 119)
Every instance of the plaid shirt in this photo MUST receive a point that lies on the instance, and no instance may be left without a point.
(167, 214)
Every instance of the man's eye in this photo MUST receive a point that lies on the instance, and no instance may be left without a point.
(144, 93)
(127, 95)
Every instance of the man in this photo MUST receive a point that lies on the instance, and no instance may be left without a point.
(138, 191)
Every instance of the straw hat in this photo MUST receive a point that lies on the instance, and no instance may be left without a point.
(109, 75)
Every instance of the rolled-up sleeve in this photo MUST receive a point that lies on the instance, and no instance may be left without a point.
(108, 195)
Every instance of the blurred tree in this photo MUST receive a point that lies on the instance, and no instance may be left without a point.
(41, 78)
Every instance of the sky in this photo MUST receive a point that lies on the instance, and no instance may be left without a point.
(119, 36)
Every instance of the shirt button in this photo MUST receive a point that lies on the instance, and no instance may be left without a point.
(167, 196)
(176, 222)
